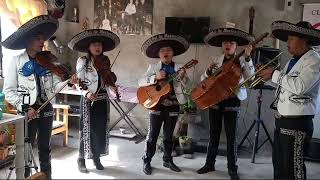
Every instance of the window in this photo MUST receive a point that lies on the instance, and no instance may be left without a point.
(13, 13)
(7, 28)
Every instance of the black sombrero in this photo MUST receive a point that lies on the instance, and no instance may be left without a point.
(282, 29)
(217, 36)
(81, 41)
(151, 47)
(43, 24)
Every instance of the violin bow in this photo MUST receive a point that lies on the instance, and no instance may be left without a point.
(64, 85)
(115, 60)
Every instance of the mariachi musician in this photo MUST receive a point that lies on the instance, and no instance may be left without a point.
(25, 73)
(228, 39)
(296, 98)
(94, 105)
(164, 46)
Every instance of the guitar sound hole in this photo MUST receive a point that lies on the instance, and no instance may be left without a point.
(158, 88)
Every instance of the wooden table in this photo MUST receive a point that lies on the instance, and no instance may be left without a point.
(18, 120)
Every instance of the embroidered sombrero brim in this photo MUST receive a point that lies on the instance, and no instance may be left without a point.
(217, 36)
(151, 47)
(43, 24)
(81, 41)
(282, 29)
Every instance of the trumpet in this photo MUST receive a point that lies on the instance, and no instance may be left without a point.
(257, 80)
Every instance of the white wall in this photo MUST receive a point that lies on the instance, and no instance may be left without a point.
(131, 64)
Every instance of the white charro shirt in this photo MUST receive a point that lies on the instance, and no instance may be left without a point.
(298, 90)
(16, 81)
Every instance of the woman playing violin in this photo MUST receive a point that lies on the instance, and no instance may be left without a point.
(95, 107)
(26, 74)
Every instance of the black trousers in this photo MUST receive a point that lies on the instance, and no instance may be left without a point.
(42, 127)
(168, 117)
(97, 131)
(291, 140)
(223, 111)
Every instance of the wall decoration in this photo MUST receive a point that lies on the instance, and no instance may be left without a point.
(311, 13)
(124, 16)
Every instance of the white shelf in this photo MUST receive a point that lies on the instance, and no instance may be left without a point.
(10, 118)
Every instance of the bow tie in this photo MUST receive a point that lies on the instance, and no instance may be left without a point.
(31, 67)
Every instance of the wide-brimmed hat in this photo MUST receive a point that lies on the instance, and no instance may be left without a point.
(217, 36)
(43, 24)
(151, 46)
(81, 41)
(282, 29)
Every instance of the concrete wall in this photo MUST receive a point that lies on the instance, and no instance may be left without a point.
(131, 64)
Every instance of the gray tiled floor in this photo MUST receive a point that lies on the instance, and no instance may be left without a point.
(125, 162)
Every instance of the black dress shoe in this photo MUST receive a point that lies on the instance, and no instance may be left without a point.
(27, 172)
(82, 165)
(206, 168)
(233, 174)
(171, 165)
(97, 163)
(147, 169)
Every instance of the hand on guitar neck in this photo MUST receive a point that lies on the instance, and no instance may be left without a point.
(182, 72)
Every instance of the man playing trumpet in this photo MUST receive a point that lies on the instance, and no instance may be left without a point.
(296, 98)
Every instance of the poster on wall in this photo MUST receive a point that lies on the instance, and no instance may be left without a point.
(124, 16)
(311, 13)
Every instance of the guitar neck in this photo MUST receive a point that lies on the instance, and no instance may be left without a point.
(188, 65)
(172, 77)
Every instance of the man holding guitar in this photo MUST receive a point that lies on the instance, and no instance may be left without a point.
(166, 111)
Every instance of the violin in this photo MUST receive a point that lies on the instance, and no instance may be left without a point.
(102, 65)
(49, 61)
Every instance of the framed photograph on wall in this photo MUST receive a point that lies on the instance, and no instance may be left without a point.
(124, 16)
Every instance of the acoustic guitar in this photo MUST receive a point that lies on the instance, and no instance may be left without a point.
(150, 96)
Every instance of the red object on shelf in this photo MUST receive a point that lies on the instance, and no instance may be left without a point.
(2, 138)
(4, 152)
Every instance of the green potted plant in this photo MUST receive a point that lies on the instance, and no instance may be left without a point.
(185, 142)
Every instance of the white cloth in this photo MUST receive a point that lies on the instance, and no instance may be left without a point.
(247, 70)
(299, 88)
(127, 94)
